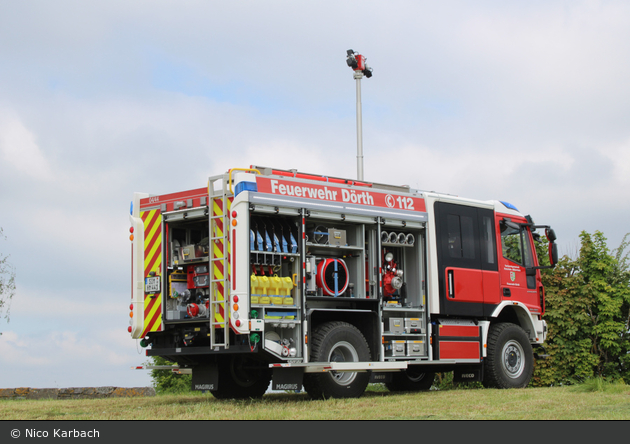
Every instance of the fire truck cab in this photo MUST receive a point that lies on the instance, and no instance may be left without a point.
(328, 284)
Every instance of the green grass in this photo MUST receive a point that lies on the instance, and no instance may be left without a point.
(594, 400)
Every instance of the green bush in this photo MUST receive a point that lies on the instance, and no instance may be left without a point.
(167, 382)
(588, 316)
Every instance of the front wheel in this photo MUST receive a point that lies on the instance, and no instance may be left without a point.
(337, 342)
(510, 360)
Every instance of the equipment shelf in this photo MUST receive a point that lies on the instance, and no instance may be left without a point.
(415, 335)
(334, 247)
(404, 309)
(278, 253)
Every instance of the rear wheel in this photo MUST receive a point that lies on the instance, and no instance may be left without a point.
(242, 378)
(510, 360)
(337, 342)
(411, 380)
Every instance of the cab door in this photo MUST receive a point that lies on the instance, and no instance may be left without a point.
(517, 254)
(467, 259)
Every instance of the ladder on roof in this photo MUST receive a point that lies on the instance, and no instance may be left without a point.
(219, 266)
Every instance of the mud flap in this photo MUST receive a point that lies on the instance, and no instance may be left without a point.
(382, 377)
(205, 377)
(287, 378)
(468, 374)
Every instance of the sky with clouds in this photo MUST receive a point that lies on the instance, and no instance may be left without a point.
(527, 102)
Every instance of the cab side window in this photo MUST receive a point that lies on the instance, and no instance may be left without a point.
(515, 245)
(461, 240)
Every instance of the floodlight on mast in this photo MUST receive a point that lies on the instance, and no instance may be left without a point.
(358, 64)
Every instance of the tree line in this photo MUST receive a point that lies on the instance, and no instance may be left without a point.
(7, 282)
(587, 309)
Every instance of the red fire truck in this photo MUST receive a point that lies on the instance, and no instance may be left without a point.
(302, 280)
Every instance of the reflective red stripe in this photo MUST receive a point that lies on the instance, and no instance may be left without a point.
(232, 260)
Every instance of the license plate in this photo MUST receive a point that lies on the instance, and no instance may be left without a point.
(152, 284)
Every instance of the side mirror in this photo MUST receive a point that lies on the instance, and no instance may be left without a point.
(551, 235)
(553, 253)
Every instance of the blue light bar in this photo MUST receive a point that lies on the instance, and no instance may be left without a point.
(245, 186)
(509, 205)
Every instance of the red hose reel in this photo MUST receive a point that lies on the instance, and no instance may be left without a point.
(332, 276)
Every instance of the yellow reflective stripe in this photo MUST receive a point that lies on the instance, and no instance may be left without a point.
(152, 258)
(216, 208)
(157, 249)
(148, 317)
(153, 231)
(147, 220)
(153, 235)
(219, 228)
(218, 250)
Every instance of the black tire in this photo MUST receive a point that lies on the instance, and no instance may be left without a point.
(242, 378)
(337, 342)
(510, 360)
(411, 380)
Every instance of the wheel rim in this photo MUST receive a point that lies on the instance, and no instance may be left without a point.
(415, 376)
(513, 359)
(343, 352)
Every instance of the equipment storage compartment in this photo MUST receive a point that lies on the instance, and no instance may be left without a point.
(281, 329)
(275, 299)
(335, 259)
(274, 261)
(186, 268)
(283, 342)
(403, 302)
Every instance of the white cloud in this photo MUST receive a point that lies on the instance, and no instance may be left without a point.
(15, 350)
(19, 149)
(619, 154)
(67, 305)
(68, 359)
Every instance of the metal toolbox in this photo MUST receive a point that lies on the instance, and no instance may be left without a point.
(395, 348)
(416, 348)
(414, 325)
(396, 325)
(337, 237)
